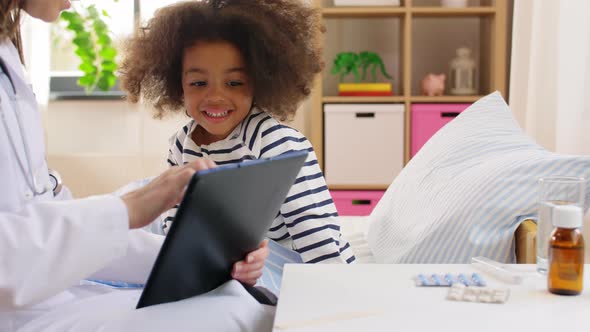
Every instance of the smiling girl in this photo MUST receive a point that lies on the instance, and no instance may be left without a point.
(237, 68)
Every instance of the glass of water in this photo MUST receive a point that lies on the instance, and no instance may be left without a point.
(554, 190)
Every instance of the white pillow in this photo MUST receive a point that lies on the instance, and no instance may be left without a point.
(466, 191)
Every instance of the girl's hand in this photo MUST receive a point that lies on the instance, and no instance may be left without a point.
(249, 270)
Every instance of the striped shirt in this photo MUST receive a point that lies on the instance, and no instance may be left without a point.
(307, 220)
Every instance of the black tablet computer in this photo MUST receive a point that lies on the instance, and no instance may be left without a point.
(225, 214)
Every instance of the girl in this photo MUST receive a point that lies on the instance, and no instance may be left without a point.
(236, 67)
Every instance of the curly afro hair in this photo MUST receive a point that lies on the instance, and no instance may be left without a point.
(277, 39)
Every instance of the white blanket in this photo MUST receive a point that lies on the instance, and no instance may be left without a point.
(228, 308)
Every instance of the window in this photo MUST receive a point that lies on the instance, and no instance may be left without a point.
(64, 63)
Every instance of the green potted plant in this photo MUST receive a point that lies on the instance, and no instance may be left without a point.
(93, 46)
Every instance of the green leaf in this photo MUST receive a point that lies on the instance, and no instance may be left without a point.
(108, 53)
(84, 53)
(105, 13)
(72, 17)
(87, 67)
(75, 27)
(108, 66)
(92, 11)
(104, 40)
(67, 15)
(101, 27)
(107, 73)
(74, 20)
(82, 42)
(106, 81)
(84, 34)
(87, 80)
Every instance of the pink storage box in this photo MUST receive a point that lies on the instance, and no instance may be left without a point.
(356, 203)
(427, 119)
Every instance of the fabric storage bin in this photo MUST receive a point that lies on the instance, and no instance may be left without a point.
(427, 119)
(356, 203)
(364, 143)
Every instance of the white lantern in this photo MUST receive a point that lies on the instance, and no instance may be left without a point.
(462, 74)
(454, 3)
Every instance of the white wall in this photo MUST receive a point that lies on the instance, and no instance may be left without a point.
(88, 139)
(107, 127)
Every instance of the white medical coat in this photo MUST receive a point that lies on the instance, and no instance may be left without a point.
(48, 244)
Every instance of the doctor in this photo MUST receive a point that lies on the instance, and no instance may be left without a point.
(49, 242)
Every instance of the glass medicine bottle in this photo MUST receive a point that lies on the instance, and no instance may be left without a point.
(566, 251)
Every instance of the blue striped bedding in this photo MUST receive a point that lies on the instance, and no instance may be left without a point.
(467, 190)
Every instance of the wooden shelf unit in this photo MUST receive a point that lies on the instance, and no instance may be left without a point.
(494, 12)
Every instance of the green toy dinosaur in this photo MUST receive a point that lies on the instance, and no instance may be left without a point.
(345, 63)
(349, 62)
(372, 59)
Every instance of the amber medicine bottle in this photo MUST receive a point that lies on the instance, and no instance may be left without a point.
(566, 251)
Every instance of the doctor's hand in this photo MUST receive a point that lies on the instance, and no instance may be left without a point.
(147, 203)
(249, 270)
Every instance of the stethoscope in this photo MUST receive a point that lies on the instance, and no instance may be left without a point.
(55, 185)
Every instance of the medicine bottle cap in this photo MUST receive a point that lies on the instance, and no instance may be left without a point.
(567, 216)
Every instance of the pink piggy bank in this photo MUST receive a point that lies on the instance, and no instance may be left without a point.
(433, 85)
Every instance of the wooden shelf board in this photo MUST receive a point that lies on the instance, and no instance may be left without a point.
(350, 12)
(385, 11)
(444, 99)
(358, 186)
(400, 99)
(368, 99)
(441, 11)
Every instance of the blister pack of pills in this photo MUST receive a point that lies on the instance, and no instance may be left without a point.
(460, 292)
(449, 279)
